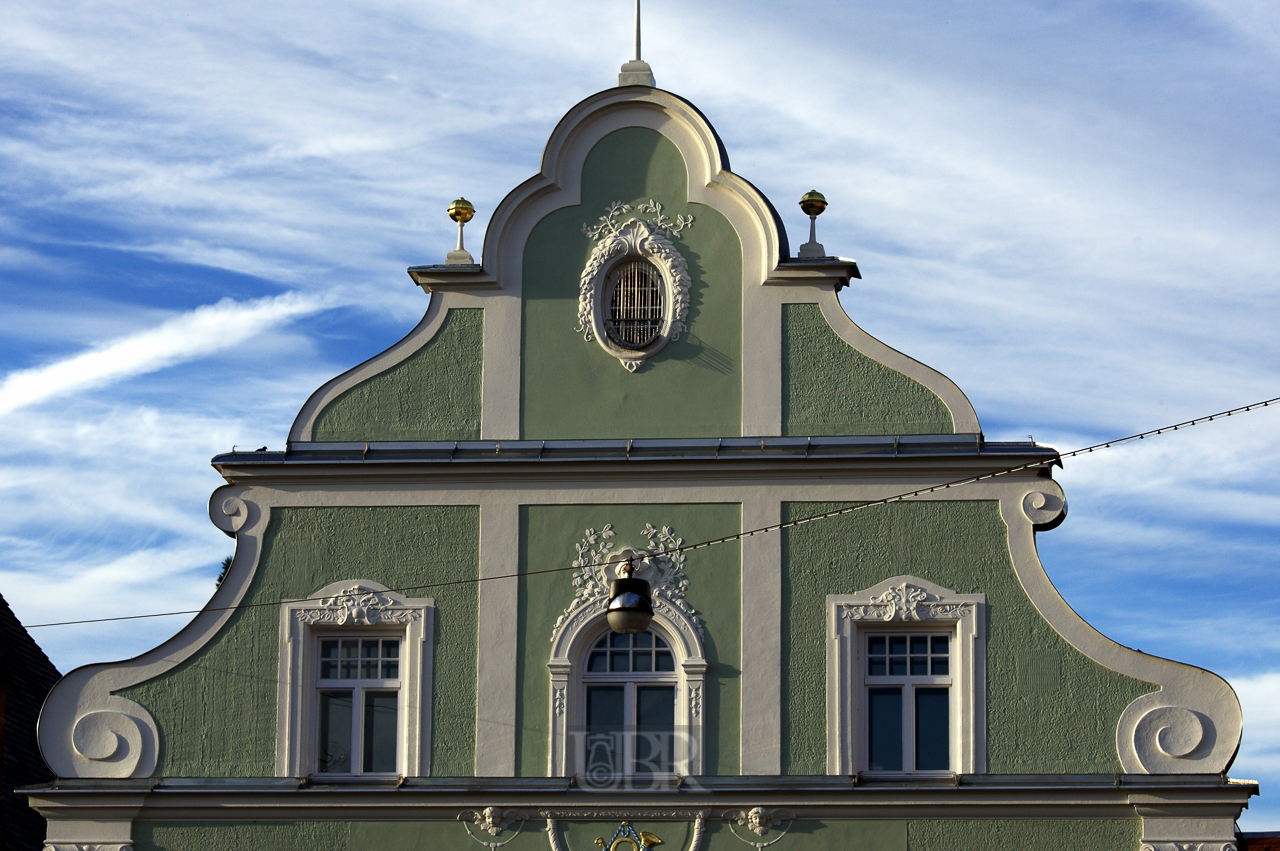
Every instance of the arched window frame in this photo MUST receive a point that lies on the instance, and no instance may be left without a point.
(571, 643)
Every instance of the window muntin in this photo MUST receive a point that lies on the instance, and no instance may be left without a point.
(635, 308)
(358, 705)
(907, 684)
(629, 700)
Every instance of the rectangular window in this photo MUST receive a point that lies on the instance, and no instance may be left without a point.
(908, 702)
(358, 711)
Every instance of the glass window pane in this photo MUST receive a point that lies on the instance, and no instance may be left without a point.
(599, 662)
(350, 667)
(940, 666)
(620, 639)
(329, 648)
(642, 660)
(665, 660)
(605, 716)
(939, 644)
(390, 669)
(655, 729)
(876, 645)
(620, 660)
(876, 667)
(644, 639)
(391, 649)
(369, 648)
(919, 644)
(334, 755)
(602, 643)
(380, 731)
(884, 728)
(898, 666)
(369, 668)
(933, 730)
(898, 645)
(658, 641)
(919, 666)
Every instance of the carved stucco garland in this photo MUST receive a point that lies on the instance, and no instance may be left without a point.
(358, 604)
(649, 238)
(907, 602)
(661, 564)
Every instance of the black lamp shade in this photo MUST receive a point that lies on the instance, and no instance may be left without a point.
(630, 608)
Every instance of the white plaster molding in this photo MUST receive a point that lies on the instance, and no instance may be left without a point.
(348, 604)
(964, 418)
(905, 599)
(422, 333)
(661, 564)
(553, 836)
(759, 821)
(582, 624)
(87, 731)
(760, 734)
(493, 821)
(1162, 833)
(88, 846)
(558, 185)
(617, 242)
(1191, 725)
(1202, 693)
(497, 628)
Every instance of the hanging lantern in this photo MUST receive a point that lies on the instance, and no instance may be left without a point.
(630, 608)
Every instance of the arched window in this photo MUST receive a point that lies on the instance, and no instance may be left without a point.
(629, 700)
(635, 313)
(626, 710)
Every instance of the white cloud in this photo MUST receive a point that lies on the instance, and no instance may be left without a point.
(200, 332)
(1260, 747)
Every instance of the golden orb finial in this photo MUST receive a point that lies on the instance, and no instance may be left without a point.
(461, 211)
(813, 203)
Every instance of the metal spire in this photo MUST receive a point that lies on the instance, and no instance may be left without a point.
(637, 56)
(636, 72)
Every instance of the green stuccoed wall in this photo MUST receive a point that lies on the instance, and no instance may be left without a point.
(548, 535)
(577, 835)
(1050, 709)
(572, 388)
(1020, 835)
(217, 711)
(830, 388)
(434, 394)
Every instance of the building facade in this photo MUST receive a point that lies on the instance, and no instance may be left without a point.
(410, 648)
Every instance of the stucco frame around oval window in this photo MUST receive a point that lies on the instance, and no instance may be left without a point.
(634, 239)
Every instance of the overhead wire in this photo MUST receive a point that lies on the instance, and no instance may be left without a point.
(1056, 458)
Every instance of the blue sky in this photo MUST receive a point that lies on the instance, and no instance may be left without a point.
(1071, 209)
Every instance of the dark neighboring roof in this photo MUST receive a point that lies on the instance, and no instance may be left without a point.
(26, 675)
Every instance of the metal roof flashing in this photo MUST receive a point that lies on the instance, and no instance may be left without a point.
(641, 449)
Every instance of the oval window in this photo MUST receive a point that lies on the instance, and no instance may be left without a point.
(634, 316)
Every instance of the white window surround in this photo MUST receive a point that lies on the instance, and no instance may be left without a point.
(905, 601)
(571, 643)
(363, 608)
(618, 242)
